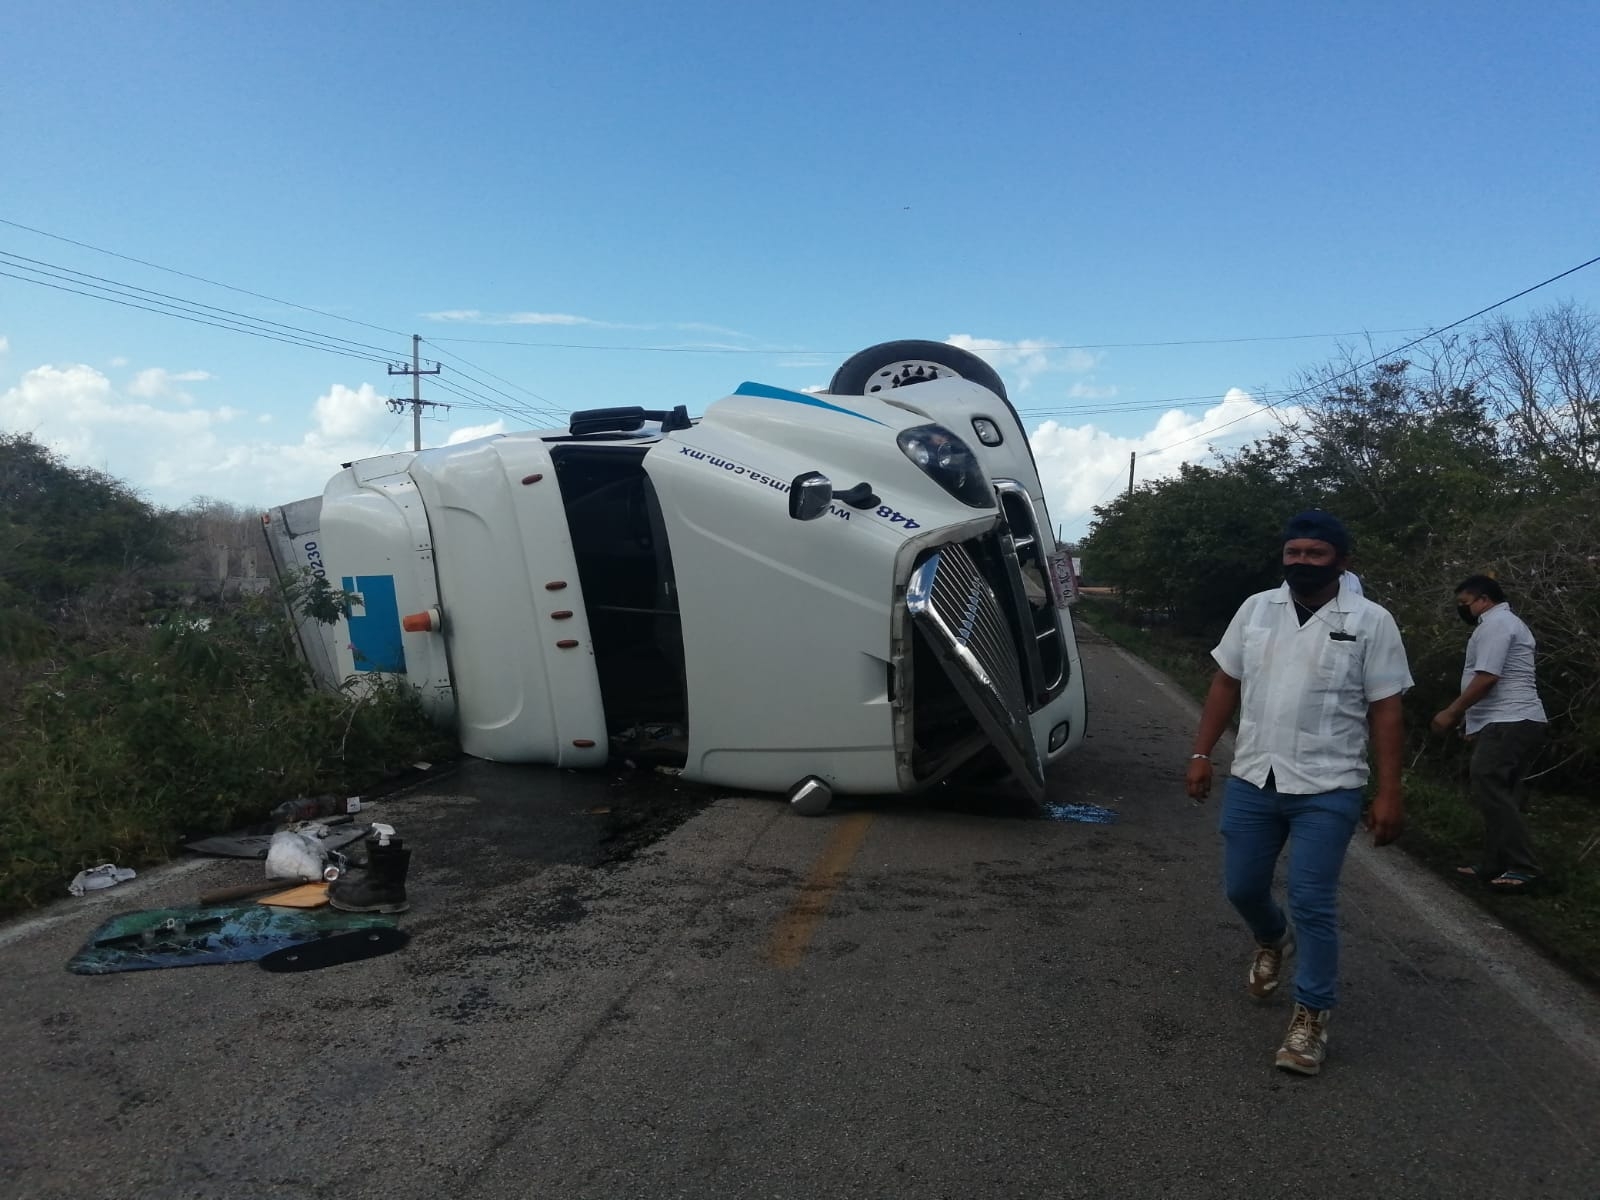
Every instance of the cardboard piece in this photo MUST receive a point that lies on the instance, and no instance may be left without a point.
(306, 895)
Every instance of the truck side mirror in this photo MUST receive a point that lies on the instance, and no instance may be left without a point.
(809, 496)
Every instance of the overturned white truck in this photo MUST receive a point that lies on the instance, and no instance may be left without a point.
(854, 591)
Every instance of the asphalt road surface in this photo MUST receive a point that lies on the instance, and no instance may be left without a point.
(618, 987)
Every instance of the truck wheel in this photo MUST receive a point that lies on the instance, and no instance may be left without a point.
(899, 364)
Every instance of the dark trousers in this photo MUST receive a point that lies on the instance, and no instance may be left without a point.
(1502, 752)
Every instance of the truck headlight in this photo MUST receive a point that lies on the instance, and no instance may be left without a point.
(949, 462)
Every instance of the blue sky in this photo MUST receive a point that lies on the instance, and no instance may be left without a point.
(668, 201)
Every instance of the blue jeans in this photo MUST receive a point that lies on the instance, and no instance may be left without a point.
(1255, 824)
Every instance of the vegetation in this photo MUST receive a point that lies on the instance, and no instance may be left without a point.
(1481, 456)
(138, 710)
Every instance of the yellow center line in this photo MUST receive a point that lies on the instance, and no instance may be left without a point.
(795, 928)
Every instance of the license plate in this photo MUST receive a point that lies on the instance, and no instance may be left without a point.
(1063, 584)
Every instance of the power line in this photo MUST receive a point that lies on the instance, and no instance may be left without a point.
(1115, 479)
(1380, 358)
(1091, 410)
(548, 410)
(199, 278)
(395, 428)
(102, 283)
(477, 401)
(165, 304)
(509, 406)
(1024, 349)
(232, 327)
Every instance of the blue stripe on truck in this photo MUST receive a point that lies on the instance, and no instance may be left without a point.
(768, 392)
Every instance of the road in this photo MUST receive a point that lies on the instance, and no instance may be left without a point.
(619, 988)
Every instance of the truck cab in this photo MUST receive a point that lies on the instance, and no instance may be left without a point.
(855, 590)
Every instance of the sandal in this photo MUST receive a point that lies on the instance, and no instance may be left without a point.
(1477, 873)
(1513, 881)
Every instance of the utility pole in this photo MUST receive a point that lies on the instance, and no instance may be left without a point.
(1131, 453)
(417, 402)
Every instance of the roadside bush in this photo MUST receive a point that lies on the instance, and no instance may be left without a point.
(119, 748)
(133, 716)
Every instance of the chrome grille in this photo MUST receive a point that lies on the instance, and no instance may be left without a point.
(956, 608)
(965, 602)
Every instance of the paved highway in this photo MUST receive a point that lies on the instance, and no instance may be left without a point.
(617, 987)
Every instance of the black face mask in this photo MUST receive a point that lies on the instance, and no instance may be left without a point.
(1464, 611)
(1309, 578)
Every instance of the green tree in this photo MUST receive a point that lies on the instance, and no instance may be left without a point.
(64, 529)
(1194, 546)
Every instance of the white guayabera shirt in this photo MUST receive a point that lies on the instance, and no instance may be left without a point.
(1306, 688)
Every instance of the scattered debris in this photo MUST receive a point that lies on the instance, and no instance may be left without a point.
(257, 845)
(244, 891)
(308, 808)
(95, 878)
(1090, 813)
(307, 895)
(335, 948)
(381, 887)
(206, 936)
(295, 854)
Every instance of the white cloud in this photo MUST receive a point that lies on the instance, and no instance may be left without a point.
(1023, 361)
(703, 327)
(476, 316)
(172, 450)
(473, 432)
(473, 316)
(342, 413)
(5, 344)
(76, 411)
(1089, 391)
(1082, 465)
(158, 381)
(119, 361)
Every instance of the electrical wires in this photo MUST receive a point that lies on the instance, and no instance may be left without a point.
(1027, 348)
(466, 386)
(112, 291)
(1372, 362)
(197, 278)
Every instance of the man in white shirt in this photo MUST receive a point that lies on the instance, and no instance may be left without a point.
(1505, 720)
(1314, 668)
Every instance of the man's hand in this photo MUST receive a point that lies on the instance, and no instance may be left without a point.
(1479, 686)
(1386, 818)
(1222, 697)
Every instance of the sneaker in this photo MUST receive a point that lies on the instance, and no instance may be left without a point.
(1306, 1044)
(1266, 968)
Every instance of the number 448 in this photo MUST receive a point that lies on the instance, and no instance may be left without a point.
(894, 518)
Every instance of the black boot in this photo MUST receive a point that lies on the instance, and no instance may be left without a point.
(381, 888)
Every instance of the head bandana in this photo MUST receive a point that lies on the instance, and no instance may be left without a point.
(1323, 526)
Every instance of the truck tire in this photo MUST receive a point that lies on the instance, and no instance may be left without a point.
(899, 364)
